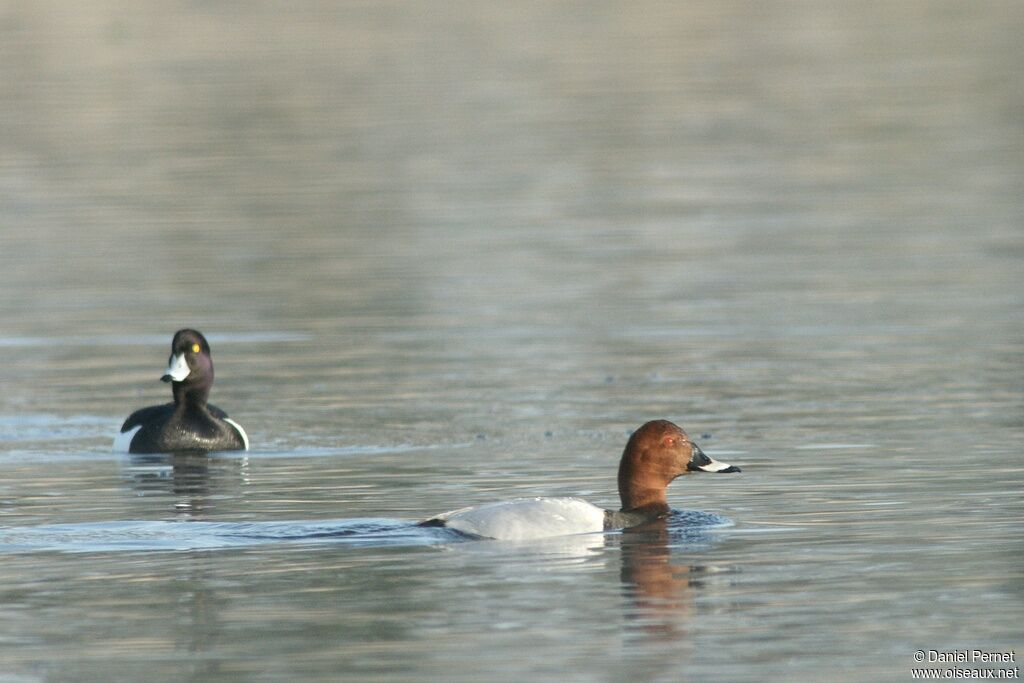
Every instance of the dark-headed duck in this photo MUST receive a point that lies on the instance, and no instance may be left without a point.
(189, 423)
(656, 453)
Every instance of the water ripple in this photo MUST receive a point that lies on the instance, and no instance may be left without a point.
(686, 527)
(192, 535)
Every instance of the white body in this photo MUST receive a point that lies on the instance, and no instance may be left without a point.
(527, 518)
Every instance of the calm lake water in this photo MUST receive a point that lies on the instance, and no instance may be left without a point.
(454, 253)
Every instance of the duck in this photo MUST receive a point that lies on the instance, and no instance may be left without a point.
(655, 454)
(189, 423)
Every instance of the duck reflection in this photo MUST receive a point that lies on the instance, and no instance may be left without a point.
(194, 479)
(661, 591)
(198, 627)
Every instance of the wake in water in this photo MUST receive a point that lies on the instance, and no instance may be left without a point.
(689, 527)
(192, 535)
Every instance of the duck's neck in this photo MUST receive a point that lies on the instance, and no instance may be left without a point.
(640, 487)
(643, 498)
(191, 396)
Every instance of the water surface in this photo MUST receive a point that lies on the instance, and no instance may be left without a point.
(450, 254)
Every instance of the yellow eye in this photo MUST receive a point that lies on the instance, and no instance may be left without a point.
(195, 348)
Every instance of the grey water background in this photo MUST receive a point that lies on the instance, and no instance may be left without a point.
(450, 253)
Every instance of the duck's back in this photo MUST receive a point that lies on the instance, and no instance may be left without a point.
(525, 518)
(162, 428)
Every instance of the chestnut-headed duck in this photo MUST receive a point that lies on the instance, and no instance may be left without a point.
(656, 453)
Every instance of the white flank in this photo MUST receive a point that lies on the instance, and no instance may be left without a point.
(178, 368)
(527, 518)
(241, 432)
(123, 440)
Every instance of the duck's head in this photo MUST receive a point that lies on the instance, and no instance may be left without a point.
(656, 453)
(190, 367)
